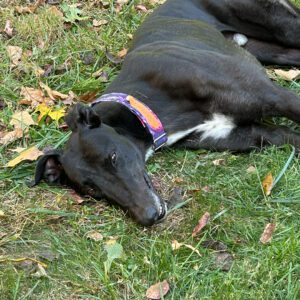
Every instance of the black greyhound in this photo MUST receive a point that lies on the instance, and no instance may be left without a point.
(195, 64)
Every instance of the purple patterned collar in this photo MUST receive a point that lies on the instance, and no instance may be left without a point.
(147, 117)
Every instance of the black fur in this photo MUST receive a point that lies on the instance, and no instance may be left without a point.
(184, 65)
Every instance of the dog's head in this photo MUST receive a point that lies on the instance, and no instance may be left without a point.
(100, 162)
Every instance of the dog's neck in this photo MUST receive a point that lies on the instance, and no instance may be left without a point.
(126, 123)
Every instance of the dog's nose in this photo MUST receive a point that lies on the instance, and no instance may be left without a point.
(149, 217)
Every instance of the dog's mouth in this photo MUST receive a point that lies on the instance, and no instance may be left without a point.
(163, 209)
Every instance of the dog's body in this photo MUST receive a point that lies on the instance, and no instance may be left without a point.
(207, 91)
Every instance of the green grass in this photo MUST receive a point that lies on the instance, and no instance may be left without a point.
(235, 199)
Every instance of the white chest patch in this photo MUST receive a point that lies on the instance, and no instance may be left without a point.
(218, 127)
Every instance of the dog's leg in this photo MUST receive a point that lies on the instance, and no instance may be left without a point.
(244, 138)
(267, 20)
(269, 53)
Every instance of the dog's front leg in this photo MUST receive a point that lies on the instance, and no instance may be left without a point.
(243, 139)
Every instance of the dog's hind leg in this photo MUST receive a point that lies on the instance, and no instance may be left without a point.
(269, 53)
(243, 138)
(268, 20)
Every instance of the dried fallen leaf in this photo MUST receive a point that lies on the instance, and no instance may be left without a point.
(141, 8)
(21, 119)
(176, 245)
(54, 95)
(251, 169)
(214, 245)
(219, 162)
(41, 272)
(31, 96)
(55, 11)
(268, 184)
(76, 197)
(11, 136)
(95, 236)
(267, 234)
(32, 154)
(88, 97)
(202, 222)
(288, 75)
(158, 290)
(122, 53)
(14, 54)
(223, 261)
(8, 28)
(98, 23)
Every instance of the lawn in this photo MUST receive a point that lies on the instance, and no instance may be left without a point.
(55, 245)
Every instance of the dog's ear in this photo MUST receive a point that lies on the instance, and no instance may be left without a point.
(49, 168)
(81, 115)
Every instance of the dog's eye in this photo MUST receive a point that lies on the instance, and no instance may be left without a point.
(113, 158)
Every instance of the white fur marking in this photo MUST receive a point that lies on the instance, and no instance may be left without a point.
(219, 127)
(240, 39)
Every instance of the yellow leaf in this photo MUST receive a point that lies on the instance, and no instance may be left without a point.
(2, 214)
(268, 184)
(15, 55)
(21, 119)
(44, 110)
(57, 114)
(32, 153)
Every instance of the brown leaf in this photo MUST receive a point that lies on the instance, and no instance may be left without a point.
(8, 28)
(219, 162)
(76, 197)
(122, 53)
(21, 119)
(112, 58)
(25, 9)
(214, 245)
(288, 75)
(98, 23)
(32, 96)
(14, 54)
(70, 100)
(268, 184)
(30, 9)
(95, 236)
(267, 234)
(55, 11)
(11, 136)
(158, 290)
(223, 261)
(32, 154)
(88, 97)
(176, 245)
(141, 8)
(102, 75)
(202, 222)
(54, 95)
